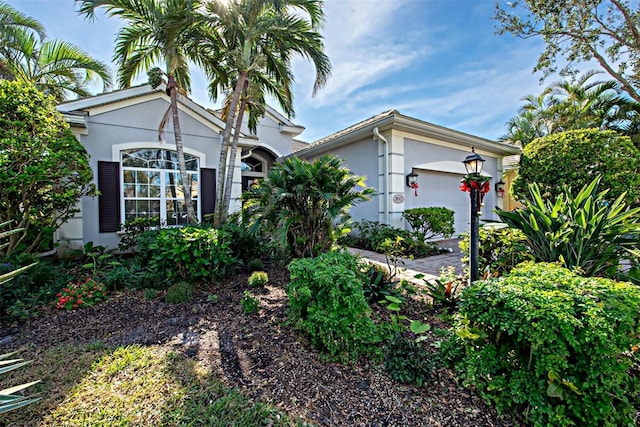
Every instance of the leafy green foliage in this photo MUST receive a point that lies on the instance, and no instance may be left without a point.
(179, 292)
(577, 32)
(553, 345)
(379, 283)
(258, 278)
(255, 264)
(189, 253)
(132, 228)
(575, 103)
(408, 361)
(574, 159)
(44, 168)
(249, 303)
(428, 223)
(445, 291)
(245, 244)
(306, 204)
(11, 398)
(327, 303)
(92, 257)
(584, 231)
(500, 249)
(376, 236)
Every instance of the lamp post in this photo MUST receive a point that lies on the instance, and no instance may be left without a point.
(473, 164)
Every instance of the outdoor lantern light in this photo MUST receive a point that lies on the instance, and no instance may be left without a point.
(499, 187)
(412, 179)
(473, 164)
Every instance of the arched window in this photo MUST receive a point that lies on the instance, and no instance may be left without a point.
(152, 185)
(252, 164)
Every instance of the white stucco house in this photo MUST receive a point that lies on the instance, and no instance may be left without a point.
(135, 167)
(389, 146)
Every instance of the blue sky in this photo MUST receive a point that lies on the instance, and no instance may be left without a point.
(435, 60)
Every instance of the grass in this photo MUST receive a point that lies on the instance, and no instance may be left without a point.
(132, 386)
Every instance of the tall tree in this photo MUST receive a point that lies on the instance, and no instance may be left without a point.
(607, 31)
(56, 67)
(14, 24)
(260, 39)
(157, 32)
(570, 104)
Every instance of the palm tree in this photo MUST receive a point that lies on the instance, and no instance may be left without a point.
(157, 32)
(260, 39)
(13, 25)
(306, 203)
(56, 67)
(574, 104)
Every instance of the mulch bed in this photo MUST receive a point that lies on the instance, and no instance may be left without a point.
(264, 356)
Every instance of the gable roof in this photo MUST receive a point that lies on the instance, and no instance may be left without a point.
(392, 119)
(73, 110)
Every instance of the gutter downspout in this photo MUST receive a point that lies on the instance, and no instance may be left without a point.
(376, 134)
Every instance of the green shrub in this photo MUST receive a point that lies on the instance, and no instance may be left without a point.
(574, 158)
(552, 345)
(500, 249)
(431, 222)
(45, 169)
(258, 278)
(584, 231)
(150, 294)
(245, 244)
(328, 304)
(255, 264)
(132, 228)
(408, 361)
(179, 293)
(375, 236)
(189, 253)
(249, 303)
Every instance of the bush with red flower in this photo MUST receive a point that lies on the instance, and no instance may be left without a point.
(81, 294)
(478, 182)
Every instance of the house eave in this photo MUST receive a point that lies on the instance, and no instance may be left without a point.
(397, 121)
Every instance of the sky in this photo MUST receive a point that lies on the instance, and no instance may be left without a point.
(439, 61)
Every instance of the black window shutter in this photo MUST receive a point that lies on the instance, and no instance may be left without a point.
(109, 199)
(208, 191)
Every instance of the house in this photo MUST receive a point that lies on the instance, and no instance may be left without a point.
(135, 163)
(389, 146)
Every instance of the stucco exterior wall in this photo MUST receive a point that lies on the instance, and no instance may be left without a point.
(136, 126)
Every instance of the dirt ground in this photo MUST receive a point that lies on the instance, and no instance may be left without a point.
(264, 356)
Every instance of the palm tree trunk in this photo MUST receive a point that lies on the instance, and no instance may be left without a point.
(186, 187)
(221, 210)
(234, 147)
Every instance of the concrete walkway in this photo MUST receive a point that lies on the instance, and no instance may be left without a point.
(429, 266)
